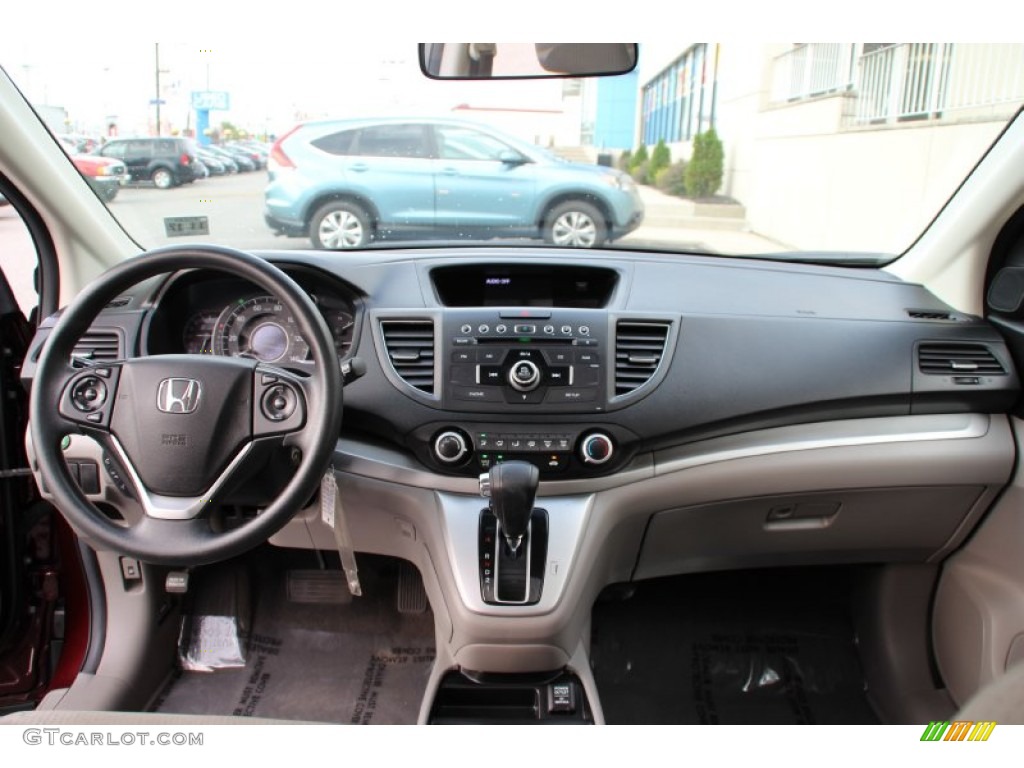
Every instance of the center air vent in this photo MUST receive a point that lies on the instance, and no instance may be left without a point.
(639, 347)
(98, 345)
(410, 348)
(956, 359)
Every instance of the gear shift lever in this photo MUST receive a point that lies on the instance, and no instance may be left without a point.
(511, 486)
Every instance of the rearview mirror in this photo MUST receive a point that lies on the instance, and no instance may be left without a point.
(473, 61)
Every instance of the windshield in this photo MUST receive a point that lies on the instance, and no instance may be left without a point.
(843, 151)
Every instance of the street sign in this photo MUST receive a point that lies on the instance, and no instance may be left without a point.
(210, 100)
(155, 102)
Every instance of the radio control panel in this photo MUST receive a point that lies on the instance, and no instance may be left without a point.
(525, 360)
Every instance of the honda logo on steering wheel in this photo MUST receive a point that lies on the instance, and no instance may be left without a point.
(178, 395)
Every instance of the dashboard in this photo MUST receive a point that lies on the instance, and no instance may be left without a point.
(585, 367)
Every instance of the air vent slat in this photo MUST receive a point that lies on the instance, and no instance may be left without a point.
(410, 348)
(944, 359)
(98, 345)
(639, 349)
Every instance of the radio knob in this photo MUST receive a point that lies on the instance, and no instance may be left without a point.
(450, 447)
(524, 375)
(596, 448)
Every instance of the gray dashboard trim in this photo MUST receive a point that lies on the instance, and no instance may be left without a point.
(391, 465)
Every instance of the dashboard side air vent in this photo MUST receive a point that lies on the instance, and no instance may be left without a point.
(639, 348)
(957, 358)
(98, 346)
(410, 348)
(930, 314)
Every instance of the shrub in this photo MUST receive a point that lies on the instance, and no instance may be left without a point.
(639, 173)
(704, 171)
(660, 158)
(672, 180)
(638, 157)
(624, 161)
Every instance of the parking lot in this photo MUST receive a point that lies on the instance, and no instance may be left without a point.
(233, 206)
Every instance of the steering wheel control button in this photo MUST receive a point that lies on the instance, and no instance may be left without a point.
(596, 448)
(279, 402)
(89, 394)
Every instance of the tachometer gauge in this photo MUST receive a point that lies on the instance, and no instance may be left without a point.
(261, 327)
(342, 327)
(198, 335)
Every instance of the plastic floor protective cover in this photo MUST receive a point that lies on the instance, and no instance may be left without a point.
(341, 659)
(745, 648)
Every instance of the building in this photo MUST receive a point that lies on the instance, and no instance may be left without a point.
(863, 111)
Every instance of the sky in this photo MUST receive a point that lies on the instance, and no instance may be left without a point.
(100, 84)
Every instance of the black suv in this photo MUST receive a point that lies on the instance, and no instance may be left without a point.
(166, 161)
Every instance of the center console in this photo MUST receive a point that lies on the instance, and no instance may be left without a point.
(516, 348)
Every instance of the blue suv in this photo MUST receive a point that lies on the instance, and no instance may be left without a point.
(343, 183)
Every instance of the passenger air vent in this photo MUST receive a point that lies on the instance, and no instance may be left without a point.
(930, 314)
(98, 345)
(410, 348)
(952, 358)
(639, 347)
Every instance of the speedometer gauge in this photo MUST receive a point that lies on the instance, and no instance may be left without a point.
(262, 328)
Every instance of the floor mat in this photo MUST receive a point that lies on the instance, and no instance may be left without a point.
(326, 660)
(748, 648)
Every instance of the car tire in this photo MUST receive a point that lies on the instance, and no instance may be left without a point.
(575, 224)
(339, 225)
(110, 193)
(163, 178)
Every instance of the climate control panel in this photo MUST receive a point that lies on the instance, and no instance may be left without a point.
(557, 450)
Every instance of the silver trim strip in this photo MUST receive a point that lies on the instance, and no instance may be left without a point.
(525, 542)
(175, 507)
(834, 434)
(391, 465)
(460, 516)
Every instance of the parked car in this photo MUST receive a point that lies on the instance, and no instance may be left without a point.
(212, 162)
(497, 481)
(343, 183)
(242, 158)
(226, 158)
(105, 175)
(256, 155)
(167, 162)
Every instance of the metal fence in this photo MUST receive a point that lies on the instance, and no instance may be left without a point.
(904, 82)
(812, 69)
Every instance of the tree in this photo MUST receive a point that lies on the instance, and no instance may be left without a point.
(705, 169)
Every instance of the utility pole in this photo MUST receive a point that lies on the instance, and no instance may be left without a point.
(157, 99)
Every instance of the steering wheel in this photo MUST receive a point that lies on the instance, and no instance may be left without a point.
(183, 431)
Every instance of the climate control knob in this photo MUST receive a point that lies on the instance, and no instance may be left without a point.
(524, 375)
(596, 448)
(450, 447)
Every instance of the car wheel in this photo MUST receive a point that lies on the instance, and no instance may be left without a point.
(340, 225)
(110, 193)
(575, 224)
(163, 178)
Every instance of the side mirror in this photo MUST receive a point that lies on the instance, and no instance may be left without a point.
(480, 61)
(511, 157)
